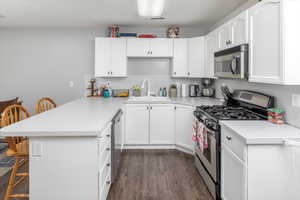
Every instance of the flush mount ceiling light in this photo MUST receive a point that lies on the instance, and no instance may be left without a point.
(150, 8)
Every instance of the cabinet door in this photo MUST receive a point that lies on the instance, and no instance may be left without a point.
(180, 58)
(224, 37)
(239, 29)
(233, 176)
(196, 57)
(138, 47)
(211, 42)
(161, 47)
(184, 127)
(137, 124)
(102, 57)
(162, 124)
(118, 57)
(265, 54)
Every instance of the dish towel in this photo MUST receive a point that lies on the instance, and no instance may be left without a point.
(200, 135)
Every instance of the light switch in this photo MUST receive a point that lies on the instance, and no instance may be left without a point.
(296, 100)
(36, 149)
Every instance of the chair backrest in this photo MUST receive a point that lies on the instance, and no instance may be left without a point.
(10, 115)
(44, 104)
(6, 103)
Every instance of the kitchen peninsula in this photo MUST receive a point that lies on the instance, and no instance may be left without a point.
(70, 147)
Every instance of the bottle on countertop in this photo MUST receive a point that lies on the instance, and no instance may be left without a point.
(160, 92)
(165, 92)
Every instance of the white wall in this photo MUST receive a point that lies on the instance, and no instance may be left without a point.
(37, 62)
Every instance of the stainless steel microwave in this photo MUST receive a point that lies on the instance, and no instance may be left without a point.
(232, 63)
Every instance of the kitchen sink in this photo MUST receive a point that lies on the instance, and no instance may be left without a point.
(148, 99)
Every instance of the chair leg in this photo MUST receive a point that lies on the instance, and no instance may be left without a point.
(12, 179)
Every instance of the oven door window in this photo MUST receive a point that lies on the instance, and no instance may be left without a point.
(207, 151)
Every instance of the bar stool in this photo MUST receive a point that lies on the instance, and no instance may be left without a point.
(18, 147)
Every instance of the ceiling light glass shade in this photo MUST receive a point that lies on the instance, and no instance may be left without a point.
(150, 8)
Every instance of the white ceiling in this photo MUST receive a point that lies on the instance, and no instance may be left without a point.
(108, 12)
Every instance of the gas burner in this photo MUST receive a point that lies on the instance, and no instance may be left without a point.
(229, 113)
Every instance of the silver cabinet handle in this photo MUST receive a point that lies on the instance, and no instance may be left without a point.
(107, 182)
(108, 135)
(174, 73)
(108, 164)
(107, 149)
(228, 138)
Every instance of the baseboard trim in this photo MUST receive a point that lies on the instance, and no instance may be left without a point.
(177, 147)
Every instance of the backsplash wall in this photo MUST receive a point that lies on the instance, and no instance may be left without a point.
(38, 62)
(158, 71)
(282, 94)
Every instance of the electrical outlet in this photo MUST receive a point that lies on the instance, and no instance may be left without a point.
(71, 84)
(296, 100)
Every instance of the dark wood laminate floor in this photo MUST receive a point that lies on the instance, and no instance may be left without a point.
(158, 175)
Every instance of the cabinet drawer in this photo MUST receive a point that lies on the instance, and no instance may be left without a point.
(104, 145)
(233, 142)
(105, 187)
(103, 155)
(105, 171)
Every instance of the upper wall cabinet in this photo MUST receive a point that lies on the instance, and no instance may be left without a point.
(156, 47)
(110, 57)
(274, 42)
(196, 60)
(211, 46)
(233, 33)
(180, 58)
(188, 58)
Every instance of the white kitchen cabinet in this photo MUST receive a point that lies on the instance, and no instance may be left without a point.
(144, 47)
(162, 127)
(253, 171)
(224, 36)
(161, 47)
(211, 46)
(137, 124)
(233, 176)
(188, 58)
(239, 29)
(110, 57)
(180, 58)
(196, 59)
(184, 127)
(274, 42)
(265, 61)
(234, 32)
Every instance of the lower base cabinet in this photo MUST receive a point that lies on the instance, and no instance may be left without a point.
(104, 143)
(137, 124)
(255, 171)
(159, 125)
(184, 126)
(233, 175)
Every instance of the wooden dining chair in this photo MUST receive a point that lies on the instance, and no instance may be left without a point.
(44, 104)
(18, 147)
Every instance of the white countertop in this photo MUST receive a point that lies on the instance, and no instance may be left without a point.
(83, 117)
(262, 132)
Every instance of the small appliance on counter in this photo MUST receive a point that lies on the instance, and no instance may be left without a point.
(194, 90)
(184, 90)
(207, 89)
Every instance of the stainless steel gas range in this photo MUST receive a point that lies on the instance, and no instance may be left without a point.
(240, 105)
